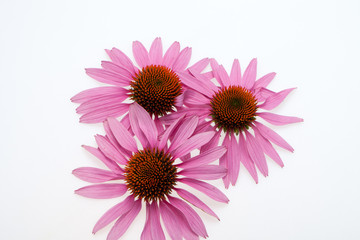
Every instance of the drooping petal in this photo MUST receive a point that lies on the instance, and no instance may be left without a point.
(206, 172)
(155, 52)
(112, 67)
(235, 75)
(108, 77)
(170, 221)
(103, 191)
(121, 59)
(199, 66)
(203, 158)
(154, 218)
(192, 217)
(113, 213)
(109, 150)
(95, 93)
(122, 135)
(123, 223)
(273, 136)
(233, 160)
(224, 161)
(140, 54)
(109, 163)
(95, 175)
(265, 80)
(191, 198)
(245, 158)
(146, 233)
(276, 119)
(184, 131)
(249, 77)
(171, 54)
(274, 100)
(256, 153)
(182, 60)
(100, 115)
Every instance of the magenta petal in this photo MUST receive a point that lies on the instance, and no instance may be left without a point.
(121, 59)
(273, 136)
(182, 60)
(205, 188)
(245, 158)
(106, 76)
(256, 153)
(109, 163)
(194, 98)
(224, 76)
(191, 198)
(170, 221)
(95, 175)
(199, 66)
(233, 160)
(276, 119)
(212, 143)
(192, 217)
(171, 55)
(165, 137)
(122, 135)
(224, 160)
(100, 115)
(206, 172)
(95, 93)
(154, 218)
(215, 69)
(192, 143)
(103, 191)
(155, 52)
(195, 84)
(203, 158)
(113, 213)
(113, 141)
(249, 77)
(112, 67)
(274, 100)
(265, 80)
(184, 131)
(105, 102)
(109, 150)
(146, 233)
(123, 223)
(235, 75)
(140, 54)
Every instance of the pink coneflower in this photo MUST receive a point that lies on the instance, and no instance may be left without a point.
(233, 107)
(152, 174)
(156, 85)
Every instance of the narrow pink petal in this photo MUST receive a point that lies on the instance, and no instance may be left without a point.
(212, 143)
(245, 158)
(203, 158)
(113, 213)
(171, 55)
(195, 84)
(273, 136)
(276, 119)
(146, 233)
(233, 160)
(268, 148)
(170, 118)
(256, 153)
(249, 77)
(224, 161)
(200, 65)
(145, 123)
(192, 143)
(154, 218)
(98, 92)
(208, 75)
(205, 81)
(206, 172)
(101, 103)
(179, 100)
(121, 59)
(265, 80)
(109, 163)
(191, 198)
(274, 100)
(95, 175)
(122, 135)
(170, 221)
(215, 66)
(205, 188)
(123, 223)
(159, 126)
(113, 141)
(165, 137)
(224, 77)
(100, 115)
(235, 75)
(155, 52)
(262, 94)
(192, 217)
(108, 77)
(194, 98)
(140, 54)
(103, 191)
(184, 131)
(109, 150)
(112, 67)
(182, 60)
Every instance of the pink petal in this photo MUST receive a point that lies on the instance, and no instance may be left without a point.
(265, 80)
(249, 77)
(113, 141)
(109, 150)
(235, 75)
(205, 81)
(194, 98)
(215, 67)
(140, 54)
(191, 198)
(273, 136)
(121, 59)
(165, 137)
(205, 157)
(233, 160)
(205, 188)
(212, 143)
(192, 143)
(184, 131)
(192, 217)
(123, 223)
(182, 60)
(101, 103)
(262, 94)
(95, 175)
(122, 135)
(112, 67)
(154, 218)
(224, 77)
(199, 66)
(103, 191)
(256, 153)
(206, 172)
(99, 92)
(274, 100)
(170, 118)
(146, 233)
(195, 84)
(245, 158)
(170, 221)
(179, 100)
(144, 122)
(100, 115)
(155, 52)
(276, 119)
(113, 213)
(224, 161)
(171, 55)
(109, 163)
(106, 76)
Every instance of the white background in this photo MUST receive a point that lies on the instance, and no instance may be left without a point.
(311, 44)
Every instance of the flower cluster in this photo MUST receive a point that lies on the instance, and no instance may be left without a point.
(155, 116)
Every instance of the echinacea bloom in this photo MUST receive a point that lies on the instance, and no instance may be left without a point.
(155, 85)
(233, 107)
(152, 174)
